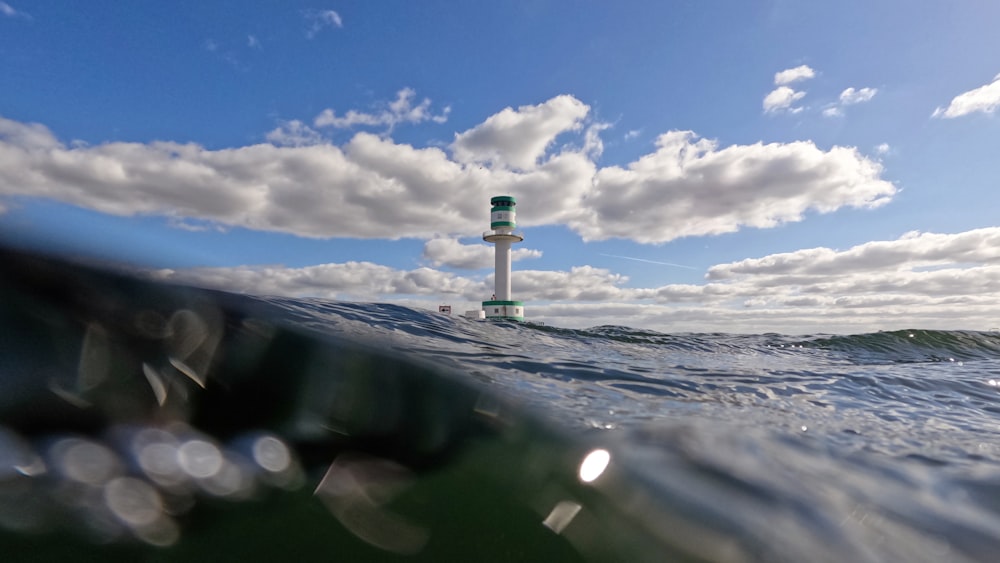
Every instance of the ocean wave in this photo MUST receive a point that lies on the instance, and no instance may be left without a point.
(140, 420)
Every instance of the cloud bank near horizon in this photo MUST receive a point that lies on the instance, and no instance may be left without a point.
(932, 279)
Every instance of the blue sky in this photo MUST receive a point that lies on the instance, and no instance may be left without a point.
(734, 166)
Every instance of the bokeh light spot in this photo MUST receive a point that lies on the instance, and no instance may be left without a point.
(594, 465)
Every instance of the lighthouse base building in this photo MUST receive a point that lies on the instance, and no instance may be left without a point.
(504, 310)
(502, 234)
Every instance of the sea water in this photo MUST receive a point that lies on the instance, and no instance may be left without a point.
(146, 421)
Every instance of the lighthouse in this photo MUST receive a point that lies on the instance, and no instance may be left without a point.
(502, 234)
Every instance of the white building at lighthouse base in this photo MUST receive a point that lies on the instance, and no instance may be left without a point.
(504, 310)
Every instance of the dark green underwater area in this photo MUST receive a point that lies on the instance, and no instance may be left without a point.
(143, 421)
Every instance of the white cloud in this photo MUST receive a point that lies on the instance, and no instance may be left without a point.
(368, 281)
(883, 148)
(781, 99)
(10, 12)
(923, 280)
(518, 138)
(911, 251)
(804, 318)
(691, 187)
(331, 18)
(294, 134)
(400, 110)
(984, 99)
(788, 76)
(581, 283)
(373, 187)
(322, 19)
(593, 146)
(26, 136)
(223, 53)
(851, 96)
(370, 187)
(363, 281)
(452, 253)
(185, 225)
(633, 133)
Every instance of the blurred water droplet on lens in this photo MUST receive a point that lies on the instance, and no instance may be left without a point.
(69, 396)
(231, 481)
(160, 463)
(200, 459)
(95, 358)
(272, 454)
(84, 461)
(186, 332)
(155, 382)
(157, 454)
(561, 516)
(17, 457)
(133, 501)
(191, 342)
(354, 489)
(164, 532)
(151, 324)
(187, 371)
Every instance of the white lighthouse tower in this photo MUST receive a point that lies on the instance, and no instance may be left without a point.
(502, 225)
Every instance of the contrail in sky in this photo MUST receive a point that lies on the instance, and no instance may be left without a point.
(651, 261)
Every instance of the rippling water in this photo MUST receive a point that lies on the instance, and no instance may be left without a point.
(145, 421)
